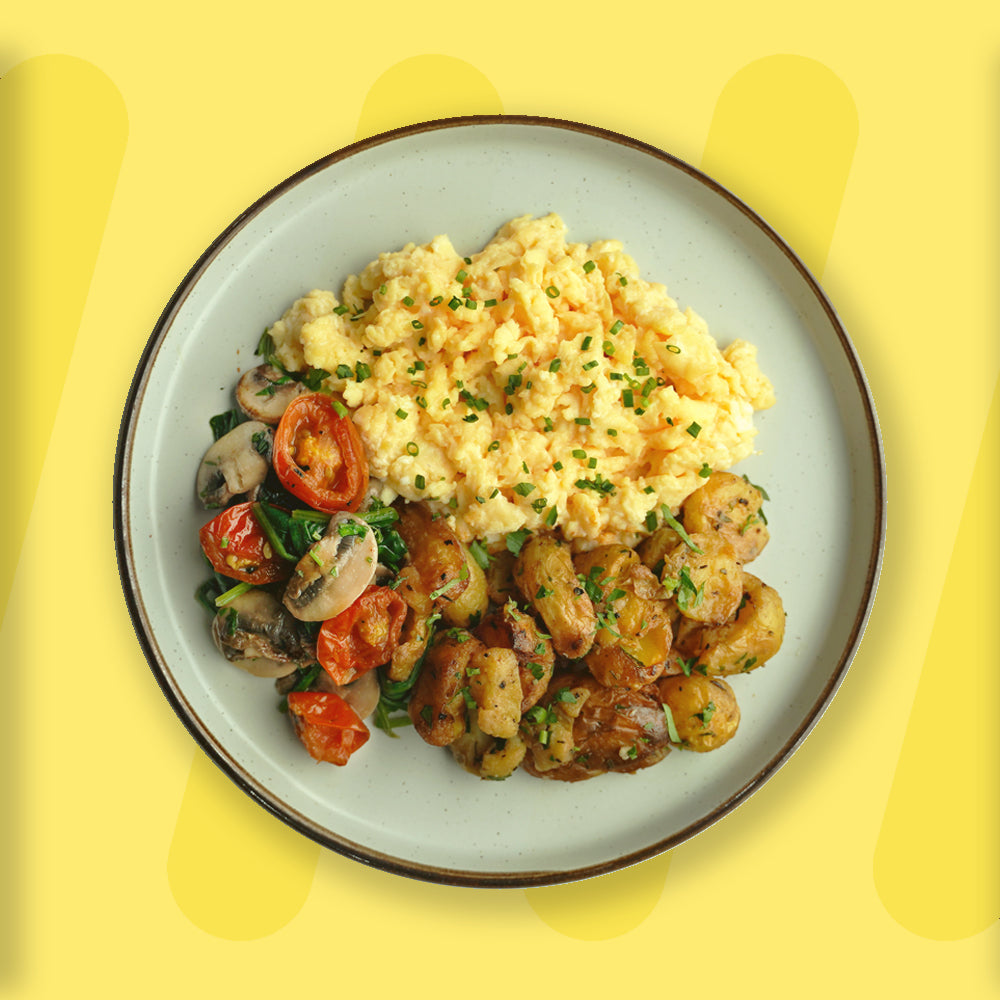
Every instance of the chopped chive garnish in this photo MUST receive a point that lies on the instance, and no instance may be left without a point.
(489, 302)
(412, 448)
(454, 303)
(588, 267)
(523, 489)
(616, 327)
(558, 466)
(416, 324)
(402, 414)
(583, 421)
(552, 516)
(339, 407)
(628, 399)
(587, 341)
(608, 347)
(461, 276)
(419, 482)
(579, 453)
(694, 429)
(673, 348)
(591, 364)
(552, 292)
(555, 364)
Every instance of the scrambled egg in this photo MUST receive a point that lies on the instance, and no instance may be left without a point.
(537, 383)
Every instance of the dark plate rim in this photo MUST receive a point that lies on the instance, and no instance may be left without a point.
(231, 768)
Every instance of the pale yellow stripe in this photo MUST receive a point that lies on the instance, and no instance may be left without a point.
(234, 870)
(937, 860)
(64, 133)
(63, 130)
(604, 907)
(425, 87)
(782, 138)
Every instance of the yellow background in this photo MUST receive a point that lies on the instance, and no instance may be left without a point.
(132, 136)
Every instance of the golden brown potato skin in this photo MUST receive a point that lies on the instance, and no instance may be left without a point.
(742, 644)
(435, 554)
(546, 577)
(511, 628)
(438, 706)
(730, 505)
(632, 646)
(617, 729)
(704, 710)
(486, 756)
(714, 572)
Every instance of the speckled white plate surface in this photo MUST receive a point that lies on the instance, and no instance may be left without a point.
(401, 805)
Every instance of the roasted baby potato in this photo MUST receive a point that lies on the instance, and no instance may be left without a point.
(742, 644)
(705, 577)
(435, 554)
(634, 613)
(495, 685)
(469, 607)
(418, 626)
(545, 575)
(500, 583)
(438, 706)
(582, 729)
(510, 627)
(703, 709)
(730, 505)
(486, 756)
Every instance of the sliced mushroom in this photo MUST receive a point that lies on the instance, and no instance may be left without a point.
(257, 634)
(264, 392)
(335, 572)
(237, 463)
(362, 694)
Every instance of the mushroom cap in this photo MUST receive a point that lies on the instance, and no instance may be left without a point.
(335, 572)
(237, 463)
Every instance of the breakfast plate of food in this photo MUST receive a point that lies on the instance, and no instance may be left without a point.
(499, 501)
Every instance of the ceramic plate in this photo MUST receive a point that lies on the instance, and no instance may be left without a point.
(400, 805)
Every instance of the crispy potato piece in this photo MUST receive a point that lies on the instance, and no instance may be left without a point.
(633, 643)
(704, 710)
(654, 548)
(511, 628)
(435, 553)
(730, 505)
(614, 667)
(613, 729)
(495, 684)
(469, 607)
(438, 704)
(546, 577)
(746, 642)
(500, 583)
(708, 583)
(486, 756)
(418, 626)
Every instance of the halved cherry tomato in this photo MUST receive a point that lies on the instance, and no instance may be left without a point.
(327, 726)
(318, 455)
(362, 637)
(237, 547)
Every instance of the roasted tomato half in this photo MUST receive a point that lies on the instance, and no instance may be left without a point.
(237, 547)
(327, 726)
(362, 637)
(319, 456)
